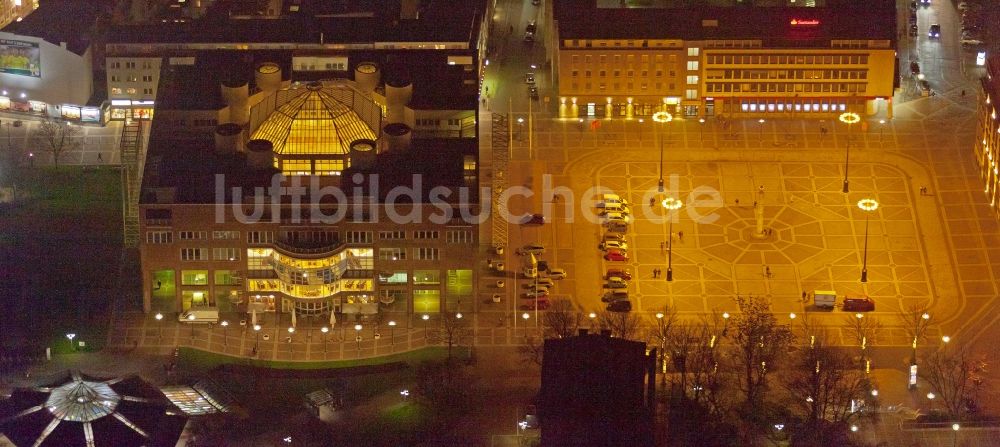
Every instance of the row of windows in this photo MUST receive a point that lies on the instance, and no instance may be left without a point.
(628, 58)
(130, 91)
(146, 65)
(435, 122)
(781, 106)
(629, 87)
(785, 87)
(131, 78)
(200, 278)
(786, 74)
(354, 237)
(577, 43)
(788, 59)
(218, 254)
(628, 73)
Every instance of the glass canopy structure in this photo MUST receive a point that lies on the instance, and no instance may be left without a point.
(312, 127)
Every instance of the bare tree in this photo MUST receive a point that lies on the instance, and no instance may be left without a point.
(759, 341)
(822, 384)
(561, 320)
(916, 322)
(956, 377)
(865, 329)
(452, 331)
(621, 324)
(661, 331)
(57, 137)
(532, 350)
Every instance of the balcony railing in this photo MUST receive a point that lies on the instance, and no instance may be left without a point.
(290, 249)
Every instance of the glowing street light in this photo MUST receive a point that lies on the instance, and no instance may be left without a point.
(946, 339)
(867, 205)
(357, 329)
(324, 330)
(225, 333)
(661, 117)
(671, 205)
(425, 317)
(848, 118)
(71, 336)
(392, 332)
(159, 319)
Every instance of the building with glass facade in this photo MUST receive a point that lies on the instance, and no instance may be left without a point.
(731, 58)
(987, 149)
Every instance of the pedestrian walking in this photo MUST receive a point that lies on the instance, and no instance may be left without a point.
(100, 157)
(656, 272)
(767, 271)
(737, 202)
(663, 245)
(804, 296)
(761, 189)
(680, 236)
(652, 201)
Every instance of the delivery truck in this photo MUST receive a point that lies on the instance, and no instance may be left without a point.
(824, 299)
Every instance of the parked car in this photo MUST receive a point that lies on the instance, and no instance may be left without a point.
(529, 78)
(543, 265)
(542, 282)
(614, 295)
(914, 68)
(614, 237)
(621, 273)
(533, 91)
(925, 2)
(617, 227)
(534, 219)
(557, 274)
(623, 210)
(615, 217)
(616, 282)
(934, 32)
(607, 245)
(859, 304)
(616, 255)
(620, 306)
(530, 413)
(925, 87)
(537, 293)
(913, 30)
(535, 249)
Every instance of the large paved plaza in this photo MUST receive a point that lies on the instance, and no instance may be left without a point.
(933, 249)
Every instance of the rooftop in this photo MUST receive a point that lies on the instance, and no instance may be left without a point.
(57, 21)
(727, 20)
(439, 21)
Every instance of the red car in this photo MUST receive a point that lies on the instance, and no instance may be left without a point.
(621, 273)
(616, 255)
(859, 304)
(542, 304)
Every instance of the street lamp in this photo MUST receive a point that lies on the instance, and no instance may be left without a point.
(640, 129)
(662, 117)
(670, 204)
(866, 205)
(425, 317)
(256, 342)
(848, 118)
(190, 319)
(392, 332)
(954, 431)
(761, 121)
(881, 130)
(159, 324)
(71, 336)
(225, 332)
(324, 330)
(357, 328)
(701, 128)
(525, 316)
(946, 339)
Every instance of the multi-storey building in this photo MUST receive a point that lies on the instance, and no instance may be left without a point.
(15, 10)
(734, 58)
(987, 147)
(219, 229)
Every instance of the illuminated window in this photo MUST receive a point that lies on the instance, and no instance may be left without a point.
(328, 167)
(692, 51)
(692, 65)
(426, 277)
(194, 277)
(296, 167)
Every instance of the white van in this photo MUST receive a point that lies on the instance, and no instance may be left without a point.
(824, 298)
(199, 315)
(607, 200)
(557, 273)
(615, 217)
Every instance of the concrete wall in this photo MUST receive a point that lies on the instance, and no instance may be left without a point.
(65, 76)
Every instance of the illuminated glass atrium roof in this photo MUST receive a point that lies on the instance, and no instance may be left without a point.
(316, 121)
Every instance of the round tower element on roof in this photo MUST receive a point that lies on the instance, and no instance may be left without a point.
(367, 75)
(227, 138)
(398, 90)
(314, 86)
(268, 77)
(260, 154)
(363, 153)
(398, 136)
(235, 94)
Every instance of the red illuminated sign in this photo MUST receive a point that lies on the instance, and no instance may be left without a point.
(805, 22)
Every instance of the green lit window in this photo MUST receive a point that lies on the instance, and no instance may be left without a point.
(194, 277)
(426, 277)
(426, 301)
(224, 278)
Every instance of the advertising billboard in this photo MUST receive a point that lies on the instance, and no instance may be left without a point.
(20, 58)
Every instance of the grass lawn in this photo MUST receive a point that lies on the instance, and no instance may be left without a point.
(60, 251)
(193, 361)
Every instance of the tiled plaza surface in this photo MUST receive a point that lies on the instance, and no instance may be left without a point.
(937, 249)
